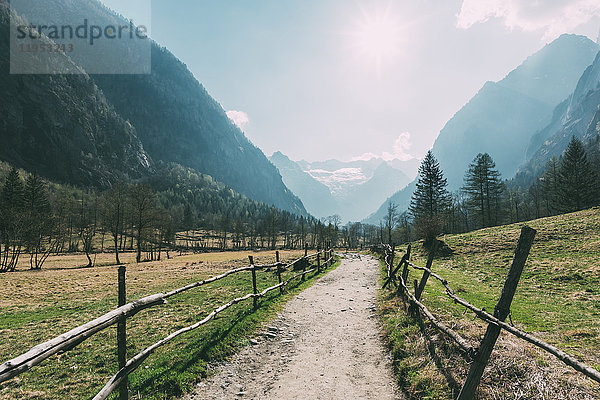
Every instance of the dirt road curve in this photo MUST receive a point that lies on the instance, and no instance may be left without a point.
(324, 345)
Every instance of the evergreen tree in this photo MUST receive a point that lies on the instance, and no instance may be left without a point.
(484, 190)
(578, 182)
(430, 201)
(550, 185)
(37, 220)
(11, 210)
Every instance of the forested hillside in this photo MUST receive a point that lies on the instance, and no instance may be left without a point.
(63, 127)
(94, 130)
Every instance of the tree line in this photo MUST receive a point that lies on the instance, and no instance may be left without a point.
(568, 183)
(177, 209)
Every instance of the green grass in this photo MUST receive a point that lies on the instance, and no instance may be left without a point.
(171, 370)
(558, 300)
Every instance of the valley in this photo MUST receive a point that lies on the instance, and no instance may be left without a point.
(151, 249)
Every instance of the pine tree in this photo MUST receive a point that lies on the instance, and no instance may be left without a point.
(550, 185)
(37, 218)
(11, 217)
(578, 182)
(430, 201)
(484, 188)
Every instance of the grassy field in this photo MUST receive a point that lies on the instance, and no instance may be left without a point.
(38, 305)
(558, 300)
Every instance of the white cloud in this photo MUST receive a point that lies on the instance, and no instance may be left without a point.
(239, 118)
(553, 17)
(400, 151)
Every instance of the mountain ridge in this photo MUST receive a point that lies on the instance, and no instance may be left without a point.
(504, 119)
(167, 114)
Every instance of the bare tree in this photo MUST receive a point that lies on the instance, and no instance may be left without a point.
(143, 202)
(391, 220)
(113, 208)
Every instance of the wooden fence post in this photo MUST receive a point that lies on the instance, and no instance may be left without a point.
(393, 272)
(319, 259)
(122, 334)
(425, 277)
(405, 270)
(278, 271)
(501, 311)
(254, 288)
(304, 262)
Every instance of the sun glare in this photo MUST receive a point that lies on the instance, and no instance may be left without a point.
(378, 37)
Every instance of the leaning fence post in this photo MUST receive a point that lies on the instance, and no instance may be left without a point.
(122, 334)
(501, 311)
(278, 271)
(393, 272)
(254, 288)
(425, 277)
(405, 270)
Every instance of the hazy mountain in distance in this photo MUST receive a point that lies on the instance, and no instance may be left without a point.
(503, 117)
(367, 166)
(578, 116)
(409, 167)
(363, 199)
(315, 196)
(175, 118)
(356, 187)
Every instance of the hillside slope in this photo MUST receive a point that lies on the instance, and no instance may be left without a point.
(577, 116)
(350, 189)
(170, 112)
(315, 196)
(62, 126)
(557, 300)
(504, 117)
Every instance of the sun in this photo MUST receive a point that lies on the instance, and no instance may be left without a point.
(378, 37)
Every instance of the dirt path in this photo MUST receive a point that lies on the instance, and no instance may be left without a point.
(324, 345)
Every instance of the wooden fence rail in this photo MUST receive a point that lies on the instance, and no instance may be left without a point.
(74, 337)
(479, 355)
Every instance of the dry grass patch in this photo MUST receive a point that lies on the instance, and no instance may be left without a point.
(39, 305)
(557, 300)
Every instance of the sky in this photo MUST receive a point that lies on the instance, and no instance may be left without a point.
(353, 79)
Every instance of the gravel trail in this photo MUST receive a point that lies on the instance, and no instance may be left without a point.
(325, 344)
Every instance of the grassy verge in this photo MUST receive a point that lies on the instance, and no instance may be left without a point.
(37, 306)
(558, 300)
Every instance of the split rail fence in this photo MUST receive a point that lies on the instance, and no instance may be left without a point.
(398, 275)
(316, 262)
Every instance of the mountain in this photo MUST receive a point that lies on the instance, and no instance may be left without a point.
(363, 199)
(505, 118)
(168, 111)
(62, 126)
(502, 118)
(578, 116)
(315, 196)
(351, 189)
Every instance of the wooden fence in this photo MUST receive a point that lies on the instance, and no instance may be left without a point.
(479, 356)
(316, 262)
